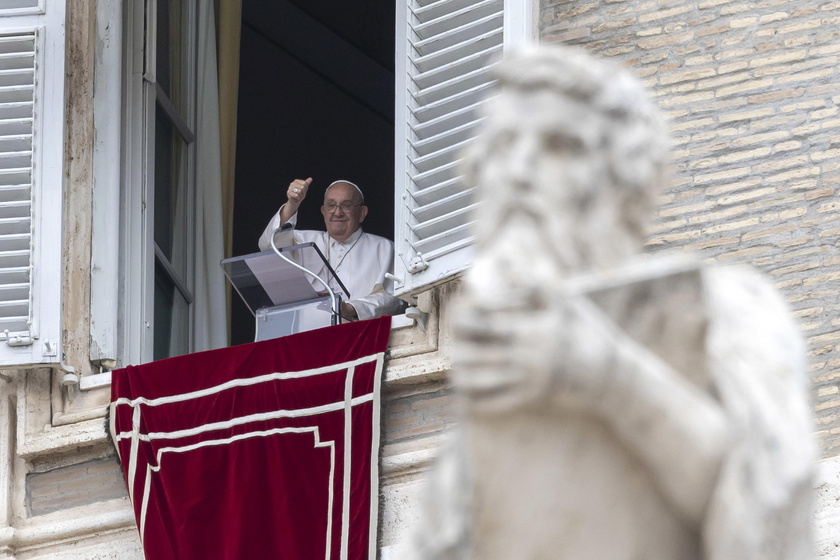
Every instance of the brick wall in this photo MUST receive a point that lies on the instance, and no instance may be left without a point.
(752, 91)
(417, 412)
(74, 486)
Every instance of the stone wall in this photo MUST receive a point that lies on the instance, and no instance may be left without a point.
(752, 91)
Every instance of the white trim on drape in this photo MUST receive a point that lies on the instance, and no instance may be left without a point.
(210, 326)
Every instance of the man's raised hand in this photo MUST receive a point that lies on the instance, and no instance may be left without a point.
(295, 194)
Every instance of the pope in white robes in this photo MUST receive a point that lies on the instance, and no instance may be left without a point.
(361, 260)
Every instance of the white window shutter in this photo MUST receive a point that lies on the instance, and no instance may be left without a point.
(445, 49)
(31, 156)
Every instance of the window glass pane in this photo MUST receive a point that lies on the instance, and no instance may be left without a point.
(171, 193)
(172, 325)
(17, 4)
(171, 35)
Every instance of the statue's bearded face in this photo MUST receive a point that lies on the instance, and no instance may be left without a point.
(541, 163)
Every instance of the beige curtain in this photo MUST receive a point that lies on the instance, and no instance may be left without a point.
(228, 26)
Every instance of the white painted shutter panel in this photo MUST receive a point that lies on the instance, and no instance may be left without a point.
(31, 148)
(445, 50)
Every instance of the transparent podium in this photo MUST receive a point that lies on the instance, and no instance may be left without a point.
(281, 296)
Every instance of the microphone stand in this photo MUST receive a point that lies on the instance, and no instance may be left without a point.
(334, 298)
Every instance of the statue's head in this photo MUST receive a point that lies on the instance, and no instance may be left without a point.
(573, 148)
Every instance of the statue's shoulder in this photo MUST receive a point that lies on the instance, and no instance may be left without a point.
(744, 294)
(750, 322)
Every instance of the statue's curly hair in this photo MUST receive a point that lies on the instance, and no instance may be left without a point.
(634, 135)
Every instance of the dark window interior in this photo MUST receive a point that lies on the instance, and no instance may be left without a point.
(316, 99)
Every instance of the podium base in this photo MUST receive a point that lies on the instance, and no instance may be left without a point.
(283, 320)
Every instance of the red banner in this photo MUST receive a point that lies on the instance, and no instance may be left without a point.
(264, 450)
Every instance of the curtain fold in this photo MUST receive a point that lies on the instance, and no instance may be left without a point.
(230, 25)
(229, 14)
(210, 301)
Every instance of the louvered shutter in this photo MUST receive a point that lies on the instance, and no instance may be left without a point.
(31, 148)
(445, 50)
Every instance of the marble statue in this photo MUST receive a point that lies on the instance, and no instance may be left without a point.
(613, 405)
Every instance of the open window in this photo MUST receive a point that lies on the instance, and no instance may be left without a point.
(316, 98)
(380, 93)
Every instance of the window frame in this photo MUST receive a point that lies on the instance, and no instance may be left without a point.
(137, 245)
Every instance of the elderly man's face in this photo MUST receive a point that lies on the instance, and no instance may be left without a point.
(349, 212)
(539, 162)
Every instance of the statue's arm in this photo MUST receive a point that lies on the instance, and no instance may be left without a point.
(679, 431)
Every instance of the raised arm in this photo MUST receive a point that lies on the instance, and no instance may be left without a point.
(295, 195)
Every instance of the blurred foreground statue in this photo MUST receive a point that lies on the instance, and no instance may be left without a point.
(614, 406)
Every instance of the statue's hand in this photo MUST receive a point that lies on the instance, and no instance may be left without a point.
(556, 354)
(502, 355)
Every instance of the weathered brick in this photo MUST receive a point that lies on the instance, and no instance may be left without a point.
(794, 174)
(721, 175)
(775, 16)
(664, 41)
(732, 187)
(825, 154)
(804, 76)
(822, 113)
(732, 67)
(719, 80)
(794, 67)
(673, 238)
(702, 163)
(720, 215)
(746, 154)
(802, 105)
(697, 123)
(776, 96)
(706, 148)
(686, 99)
(667, 212)
(687, 76)
(712, 31)
(798, 41)
(775, 165)
(719, 133)
(649, 32)
(801, 26)
(743, 254)
(743, 22)
(818, 193)
(745, 196)
(825, 49)
(768, 232)
(572, 34)
(747, 115)
(757, 138)
(801, 267)
(717, 242)
(662, 14)
(729, 226)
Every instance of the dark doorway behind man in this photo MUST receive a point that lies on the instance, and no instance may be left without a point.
(316, 99)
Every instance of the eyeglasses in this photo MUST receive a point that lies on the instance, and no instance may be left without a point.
(345, 206)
